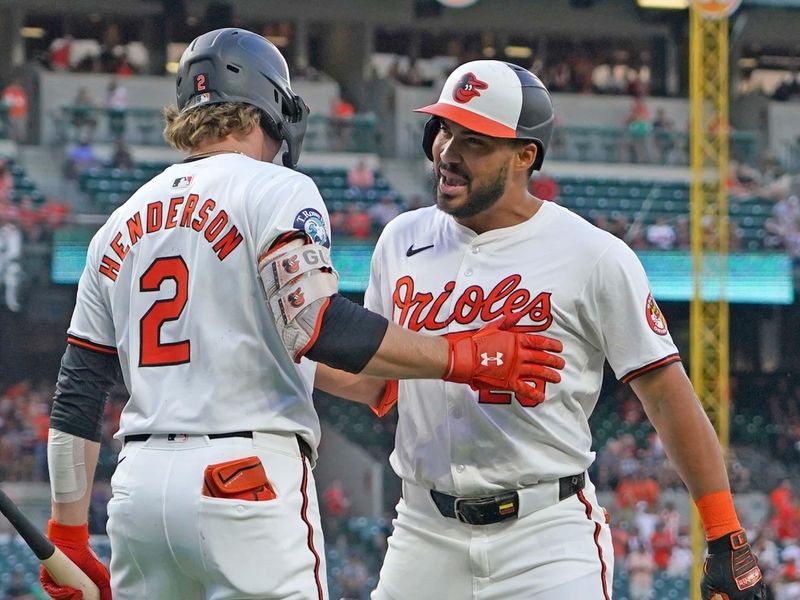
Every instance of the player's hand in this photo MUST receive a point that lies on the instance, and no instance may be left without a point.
(74, 542)
(731, 570)
(495, 358)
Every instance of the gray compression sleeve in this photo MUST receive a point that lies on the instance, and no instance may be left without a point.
(84, 381)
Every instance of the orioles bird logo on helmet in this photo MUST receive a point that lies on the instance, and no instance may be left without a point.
(291, 264)
(296, 298)
(467, 88)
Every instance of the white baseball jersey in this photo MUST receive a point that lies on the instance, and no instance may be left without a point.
(171, 286)
(572, 281)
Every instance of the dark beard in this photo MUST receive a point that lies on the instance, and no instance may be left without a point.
(478, 200)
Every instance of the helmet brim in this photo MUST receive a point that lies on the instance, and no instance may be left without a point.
(468, 119)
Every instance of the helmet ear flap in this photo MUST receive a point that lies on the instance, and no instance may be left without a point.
(431, 129)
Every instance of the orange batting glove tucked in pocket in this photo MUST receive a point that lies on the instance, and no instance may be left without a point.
(240, 479)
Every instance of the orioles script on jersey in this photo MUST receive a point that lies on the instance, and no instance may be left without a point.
(180, 212)
(418, 310)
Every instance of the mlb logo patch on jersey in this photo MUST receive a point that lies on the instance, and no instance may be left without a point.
(655, 318)
(310, 220)
(182, 182)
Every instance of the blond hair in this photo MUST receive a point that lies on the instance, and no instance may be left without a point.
(188, 129)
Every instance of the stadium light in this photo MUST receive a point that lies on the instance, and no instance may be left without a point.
(35, 33)
(663, 4)
(518, 52)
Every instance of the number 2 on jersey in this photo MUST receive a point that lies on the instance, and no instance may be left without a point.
(152, 351)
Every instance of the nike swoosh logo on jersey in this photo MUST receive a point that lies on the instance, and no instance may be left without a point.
(412, 251)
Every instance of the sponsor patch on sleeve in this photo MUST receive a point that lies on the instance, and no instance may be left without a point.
(310, 220)
(655, 318)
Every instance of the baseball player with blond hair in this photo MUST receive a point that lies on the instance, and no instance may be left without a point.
(496, 503)
(212, 293)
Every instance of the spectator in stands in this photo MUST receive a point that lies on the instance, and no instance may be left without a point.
(661, 235)
(683, 237)
(638, 129)
(60, 53)
(635, 236)
(789, 581)
(384, 211)
(783, 226)
(661, 542)
(6, 182)
(82, 117)
(80, 157)
(10, 269)
(341, 123)
(121, 158)
(412, 75)
(53, 214)
(640, 566)
(29, 219)
(124, 67)
(743, 180)
(664, 136)
(357, 223)
(361, 176)
(671, 519)
(117, 103)
(353, 578)
(15, 98)
(682, 557)
(544, 187)
(620, 226)
(335, 507)
(637, 490)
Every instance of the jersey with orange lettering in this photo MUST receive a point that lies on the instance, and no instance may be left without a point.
(431, 274)
(190, 367)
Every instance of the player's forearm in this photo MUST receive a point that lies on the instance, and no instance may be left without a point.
(350, 386)
(688, 437)
(404, 354)
(77, 512)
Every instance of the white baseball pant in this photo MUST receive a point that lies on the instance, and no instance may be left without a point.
(169, 541)
(559, 552)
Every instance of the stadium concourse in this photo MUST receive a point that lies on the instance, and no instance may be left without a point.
(80, 127)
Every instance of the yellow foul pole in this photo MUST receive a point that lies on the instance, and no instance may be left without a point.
(709, 93)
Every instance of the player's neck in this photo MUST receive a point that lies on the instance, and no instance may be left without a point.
(507, 212)
(251, 144)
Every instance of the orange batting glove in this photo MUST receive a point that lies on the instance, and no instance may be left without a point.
(74, 542)
(495, 358)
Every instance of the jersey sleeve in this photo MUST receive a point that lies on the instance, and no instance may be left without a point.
(92, 326)
(376, 297)
(622, 316)
(301, 209)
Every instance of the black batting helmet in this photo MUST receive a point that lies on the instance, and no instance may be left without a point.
(235, 65)
(494, 98)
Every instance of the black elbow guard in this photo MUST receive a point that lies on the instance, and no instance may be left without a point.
(349, 337)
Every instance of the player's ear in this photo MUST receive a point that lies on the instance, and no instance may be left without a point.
(525, 156)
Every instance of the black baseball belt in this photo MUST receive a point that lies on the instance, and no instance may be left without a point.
(305, 449)
(486, 510)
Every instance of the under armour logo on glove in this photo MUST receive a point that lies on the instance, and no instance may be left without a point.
(497, 359)
(731, 570)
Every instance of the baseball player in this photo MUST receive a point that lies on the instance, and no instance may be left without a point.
(496, 501)
(211, 291)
